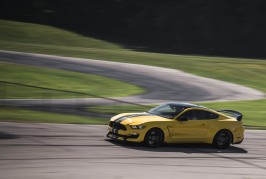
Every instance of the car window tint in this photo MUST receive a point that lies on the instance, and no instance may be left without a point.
(166, 109)
(200, 115)
(210, 115)
(194, 115)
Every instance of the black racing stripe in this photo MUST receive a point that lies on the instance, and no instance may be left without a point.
(139, 114)
(121, 119)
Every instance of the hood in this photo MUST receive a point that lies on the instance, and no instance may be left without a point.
(137, 118)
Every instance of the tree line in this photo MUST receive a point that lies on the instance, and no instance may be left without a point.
(234, 28)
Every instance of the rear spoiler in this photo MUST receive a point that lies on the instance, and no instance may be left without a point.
(237, 115)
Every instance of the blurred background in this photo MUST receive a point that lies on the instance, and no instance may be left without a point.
(218, 39)
(220, 28)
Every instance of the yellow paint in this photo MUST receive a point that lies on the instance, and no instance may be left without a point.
(175, 131)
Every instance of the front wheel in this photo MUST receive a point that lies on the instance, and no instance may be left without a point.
(222, 139)
(154, 138)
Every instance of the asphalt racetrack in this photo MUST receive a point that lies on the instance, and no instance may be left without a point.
(63, 151)
(161, 84)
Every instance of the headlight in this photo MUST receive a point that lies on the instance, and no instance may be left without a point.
(137, 127)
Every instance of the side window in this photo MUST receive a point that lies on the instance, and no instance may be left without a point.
(210, 115)
(200, 115)
(195, 115)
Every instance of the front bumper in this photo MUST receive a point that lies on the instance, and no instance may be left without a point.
(123, 137)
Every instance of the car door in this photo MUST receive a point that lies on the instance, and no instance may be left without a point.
(190, 126)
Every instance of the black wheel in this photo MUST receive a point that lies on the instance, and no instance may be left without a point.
(154, 138)
(222, 139)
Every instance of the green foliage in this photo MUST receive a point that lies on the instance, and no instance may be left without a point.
(227, 28)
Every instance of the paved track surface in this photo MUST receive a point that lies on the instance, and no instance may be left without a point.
(161, 84)
(30, 151)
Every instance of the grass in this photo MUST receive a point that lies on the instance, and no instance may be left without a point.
(247, 72)
(58, 79)
(27, 33)
(23, 115)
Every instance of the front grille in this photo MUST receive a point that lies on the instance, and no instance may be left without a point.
(117, 126)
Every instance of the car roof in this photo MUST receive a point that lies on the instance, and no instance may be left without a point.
(185, 105)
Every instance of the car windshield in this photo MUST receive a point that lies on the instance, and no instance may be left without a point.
(169, 111)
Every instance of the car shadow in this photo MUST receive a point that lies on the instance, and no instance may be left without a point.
(184, 148)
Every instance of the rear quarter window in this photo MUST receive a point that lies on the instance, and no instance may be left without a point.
(210, 115)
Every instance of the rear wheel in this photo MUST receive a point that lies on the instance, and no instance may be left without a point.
(154, 138)
(222, 139)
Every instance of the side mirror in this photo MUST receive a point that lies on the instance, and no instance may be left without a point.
(182, 118)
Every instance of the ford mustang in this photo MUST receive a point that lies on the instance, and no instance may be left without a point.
(179, 123)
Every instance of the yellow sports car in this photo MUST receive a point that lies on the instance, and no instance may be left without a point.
(179, 123)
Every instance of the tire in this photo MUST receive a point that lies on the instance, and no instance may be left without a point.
(222, 139)
(154, 138)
